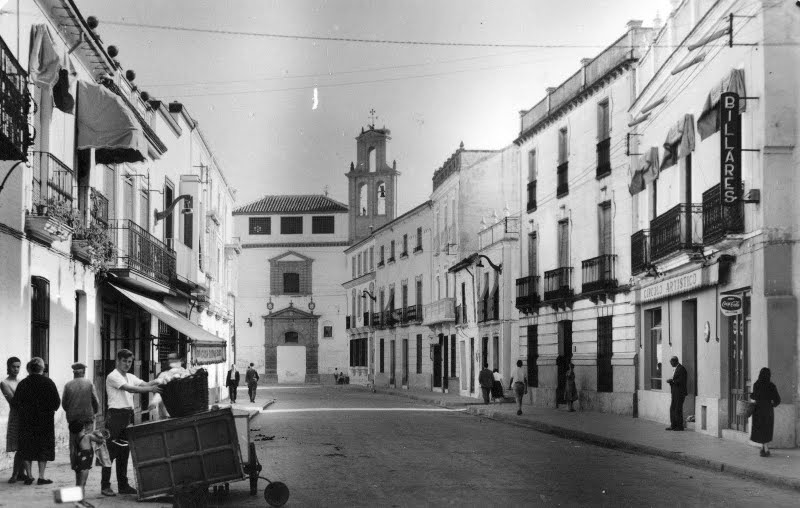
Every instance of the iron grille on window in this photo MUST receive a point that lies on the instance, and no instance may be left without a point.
(260, 225)
(322, 225)
(291, 225)
(291, 282)
(15, 104)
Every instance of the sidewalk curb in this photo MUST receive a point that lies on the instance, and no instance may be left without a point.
(638, 448)
(478, 409)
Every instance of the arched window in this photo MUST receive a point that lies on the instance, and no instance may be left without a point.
(372, 159)
(290, 337)
(363, 200)
(381, 195)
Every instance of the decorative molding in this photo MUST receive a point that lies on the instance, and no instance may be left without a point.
(294, 244)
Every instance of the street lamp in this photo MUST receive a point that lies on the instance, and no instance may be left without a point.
(497, 268)
(364, 294)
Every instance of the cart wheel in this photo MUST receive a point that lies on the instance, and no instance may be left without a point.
(276, 494)
(253, 467)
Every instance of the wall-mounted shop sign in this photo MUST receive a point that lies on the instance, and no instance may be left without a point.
(730, 305)
(673, 286)
(207, 353)
(731, 149)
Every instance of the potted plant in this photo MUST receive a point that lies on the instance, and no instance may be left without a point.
(53, 220)
(92, 243)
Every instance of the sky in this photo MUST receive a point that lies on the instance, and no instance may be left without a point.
(251, 88)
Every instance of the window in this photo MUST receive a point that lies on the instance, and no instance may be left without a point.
(603, 121)
(290, 338)
(322, 225)
(404, 295)
(327, 332)
(533, 247)
(260, 225)
(358, 353)
(144, 209)
(360, 266)
(169, 221)
(603, 140)
(452, 356)
(381, 259)
(291, 282)
(419, 353)
(381, 356)
(40, 319)
(563, 243)
(354, 266)
(188, 229)
(532, 169)
(419, 240)
(291, 225)
(405, 246)
(655, 354)
(371, 258)
(605, 371)
(563, 146)
(381, 194)
(463, 304)
(418, 299)
(533, 356)
(391, 251)
(562, 188)
(604, 232)
(532, 174)
(363, 204)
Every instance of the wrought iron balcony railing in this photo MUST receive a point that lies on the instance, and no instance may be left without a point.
(640, 251)
(558, 283)
(531, 196)
(527, 293)
(720, 220)
(58, 178)
(410, 314)
(678, 229)
(563, 179)
(604, 158)
(143, 253)
(15, 104)
(599, 273)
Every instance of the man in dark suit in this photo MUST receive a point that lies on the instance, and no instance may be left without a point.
(678, 392)
(232, 382)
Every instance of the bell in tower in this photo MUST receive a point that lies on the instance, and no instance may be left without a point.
(372, 182)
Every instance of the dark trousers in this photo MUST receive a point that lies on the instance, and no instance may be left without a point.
(232, 393)
(116, 423)
(676, 411)
(251, 391)
(485, 392)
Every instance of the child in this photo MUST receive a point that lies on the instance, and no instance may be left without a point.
(84, 453)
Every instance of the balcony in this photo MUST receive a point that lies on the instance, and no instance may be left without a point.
(604, 158)
(440, 311)
(390, 260)
(680, 228)
(558, 283)
(598, 274)
(392, 317)
(640, 251)
(15, 104)
(563, 180)
(531, 196)
(58, 178)
(505, 228)
(719, 220)
(376, 320)
(527, 293)
(142, 258)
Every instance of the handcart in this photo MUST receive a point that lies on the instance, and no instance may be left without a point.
(183, 457)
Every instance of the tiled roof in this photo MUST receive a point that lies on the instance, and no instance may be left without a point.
(309, 203)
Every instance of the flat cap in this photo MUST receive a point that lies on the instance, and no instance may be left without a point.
(78, 366)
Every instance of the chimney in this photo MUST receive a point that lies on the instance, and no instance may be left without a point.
(633, 24)
(550, 89)
(586, 61)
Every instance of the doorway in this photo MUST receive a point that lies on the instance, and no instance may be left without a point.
(445, 360)
(689, 358)
(392, 362)
(564, 357)
(437, 366)
(484, 351)
(405, 362)
(738, 363)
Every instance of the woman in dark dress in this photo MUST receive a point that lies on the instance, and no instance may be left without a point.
(37, 400)
(766, 396)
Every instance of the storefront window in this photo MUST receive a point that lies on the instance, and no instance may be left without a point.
(655, 353)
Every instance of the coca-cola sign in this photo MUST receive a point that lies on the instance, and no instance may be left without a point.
(730, 305)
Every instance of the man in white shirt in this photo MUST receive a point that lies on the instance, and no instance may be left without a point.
(520, 383)
(120, 387)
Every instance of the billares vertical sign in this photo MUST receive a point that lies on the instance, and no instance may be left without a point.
(731, 149)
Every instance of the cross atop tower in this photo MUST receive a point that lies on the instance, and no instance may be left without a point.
(372, 118)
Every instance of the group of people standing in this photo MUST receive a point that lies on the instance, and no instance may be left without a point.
(34, 401)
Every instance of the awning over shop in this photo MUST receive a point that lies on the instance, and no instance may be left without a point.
(708, 123)
(197, 335)
(106, 124)
(680, 141)
(647, 172)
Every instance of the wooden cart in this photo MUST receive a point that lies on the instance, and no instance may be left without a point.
(182, 457)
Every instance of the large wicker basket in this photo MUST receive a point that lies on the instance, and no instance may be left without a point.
(188, 395)
(745, 408)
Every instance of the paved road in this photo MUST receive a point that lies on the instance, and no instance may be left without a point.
(339, 446)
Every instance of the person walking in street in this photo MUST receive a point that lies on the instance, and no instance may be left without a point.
(251, 378)
(485, 379)
(37, 400)
(232, 382)
(767, 399)
(520, 384)
(678, 391)
(80, 404)
(8, 386)
(120, 387)
(570, 390)
(497, 386)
